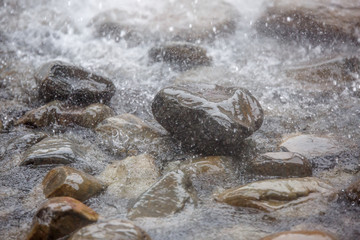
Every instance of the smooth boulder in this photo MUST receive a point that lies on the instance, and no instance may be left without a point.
(300, 235)
(58, 217)
(68, 182)
(62, 81)
(208, 118)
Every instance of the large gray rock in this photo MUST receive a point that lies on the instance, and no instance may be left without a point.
(208, 118)
(61, 81)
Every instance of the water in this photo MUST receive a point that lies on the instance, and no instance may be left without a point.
(33, 32)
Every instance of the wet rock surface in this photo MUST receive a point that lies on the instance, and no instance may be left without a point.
(183, 56)
(298, 235)
(283, 164)
(270, 195)
(60, 113)
(352, 192)
(208, 118)
(130, 177)
(311, 21)
(116, 229)
(166, 197)
(62, 81)
(68, 182)
(59, 217)
(52, 150)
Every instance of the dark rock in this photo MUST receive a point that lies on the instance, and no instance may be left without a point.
(166, 197)
(282, 164)
(68, 182)
(52, 150)
(61, 81)
(208, 118)
(352, 192)
(57, 112)
(180, 55)
(298, 235)
(115, 229)
(317, 22)
(1, 125)
(59, 217)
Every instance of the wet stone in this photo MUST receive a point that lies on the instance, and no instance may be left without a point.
(300, 235)
(57, 112)
(166, 197)
(352, 192)
(208, 118)
(270, 195)
(283, 164)
(130, 177)
(316, 22)
(1, 126)
(59, 217)
(211, 166)
(182, 56)
(68, 182)
(52, 150)
(61, 81)
(115, 229)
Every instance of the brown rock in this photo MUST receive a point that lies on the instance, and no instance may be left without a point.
(115, 229)
(353, 191)
(211, 166)
(59, 217)
(1, 125)
(68, 182)
(283, 164)
(300, 235)
(60, 113)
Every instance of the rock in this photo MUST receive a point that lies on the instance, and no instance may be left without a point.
(210, 166)
(59, 217)
(115, 229)
(208, 118)
(317, 22)
(169, 20)
(57, 112)
(352, 192)
(166, 197)
(282, 164)
(300, 235)
(130, 177)
(68, 182)
(52, 150)
(270, 195)
(183, 56)
(1, 126)
(126, 134)
(61, 81)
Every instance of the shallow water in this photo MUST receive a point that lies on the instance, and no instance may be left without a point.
(33, 32)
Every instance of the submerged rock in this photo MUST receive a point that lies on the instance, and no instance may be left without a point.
(57, 112)
(210, 166)
(208, 118)
(61, 81)
(114, 229)
(283, 164)
(299, 235)
(126, 134)
(352, 192)
(317, 22)
(270, 195)
(130, 177)
(1, 125)
(166, 197)
(52, 150)
(58, 217)
(180, 55)
(69, 182)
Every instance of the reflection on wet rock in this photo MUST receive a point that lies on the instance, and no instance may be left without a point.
(115, 229)
(58, 217)
(166, 197)
(300, 235)
(69, 182)
(353, 191)
(270, 195)
(52, 150)
(130, 177)
(180, 55)
(315, 21)
(61, 113)
(283, 164)
(208, 118)
(61, 81)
